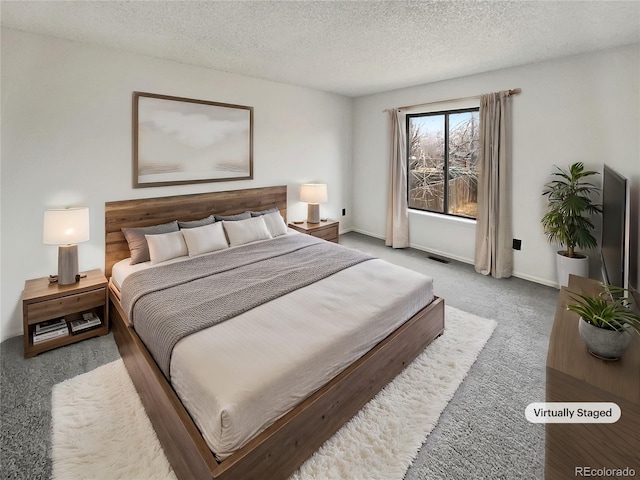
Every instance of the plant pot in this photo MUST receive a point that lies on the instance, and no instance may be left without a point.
(577, 266)
(602, 343)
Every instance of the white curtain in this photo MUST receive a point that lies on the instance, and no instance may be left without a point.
(493, 254)
(397, 235)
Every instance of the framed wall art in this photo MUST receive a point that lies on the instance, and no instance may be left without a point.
(181, 140)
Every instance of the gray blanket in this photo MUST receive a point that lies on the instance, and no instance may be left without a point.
(169, 302)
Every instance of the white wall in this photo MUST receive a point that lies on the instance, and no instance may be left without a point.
(581, 108)
(66, 140)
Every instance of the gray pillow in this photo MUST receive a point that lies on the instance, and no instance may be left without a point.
(264, 212)
(233, 218)
(138, 243)
(197, 223)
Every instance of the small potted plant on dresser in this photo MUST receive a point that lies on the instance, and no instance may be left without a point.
(606, 321)
(568, 219)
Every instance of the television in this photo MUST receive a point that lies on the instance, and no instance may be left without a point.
(615, 228)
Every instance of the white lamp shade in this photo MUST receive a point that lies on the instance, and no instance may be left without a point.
(313, 193)
(66, 226)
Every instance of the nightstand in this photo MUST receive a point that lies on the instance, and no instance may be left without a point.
(44, 303)
(327, 230)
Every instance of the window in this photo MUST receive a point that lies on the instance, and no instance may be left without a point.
(442, 151)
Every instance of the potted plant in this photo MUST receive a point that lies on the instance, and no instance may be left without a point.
(568, 218)
(606, 322)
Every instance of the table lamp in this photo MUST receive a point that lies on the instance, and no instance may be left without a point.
(313, 194)
(66, 228)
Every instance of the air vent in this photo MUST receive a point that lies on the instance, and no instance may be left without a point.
(437, 259)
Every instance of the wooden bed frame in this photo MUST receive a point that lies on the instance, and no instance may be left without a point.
(280, 449)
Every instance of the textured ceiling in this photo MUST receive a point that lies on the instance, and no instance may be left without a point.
(346, 47)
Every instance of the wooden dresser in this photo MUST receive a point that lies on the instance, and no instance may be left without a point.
(574, 375)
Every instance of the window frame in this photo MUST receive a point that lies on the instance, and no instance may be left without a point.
(445, 200)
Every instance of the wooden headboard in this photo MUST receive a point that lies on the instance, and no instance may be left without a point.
(144, 212)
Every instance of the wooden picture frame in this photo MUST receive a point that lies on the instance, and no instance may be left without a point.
(181, 140)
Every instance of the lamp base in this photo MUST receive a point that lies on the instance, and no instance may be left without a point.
(67, 264)
(313, 213)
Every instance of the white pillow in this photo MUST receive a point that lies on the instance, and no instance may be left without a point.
(275, 224)
(245, 231)
(205, 239)
(166, 246)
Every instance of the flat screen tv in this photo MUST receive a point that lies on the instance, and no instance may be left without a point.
(615, 228)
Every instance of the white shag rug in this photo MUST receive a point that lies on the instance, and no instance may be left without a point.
(100, 429)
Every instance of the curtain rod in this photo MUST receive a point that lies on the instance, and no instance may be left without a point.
(513, 91)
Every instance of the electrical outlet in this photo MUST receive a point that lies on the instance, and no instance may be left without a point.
(517, 244)
(344, 212)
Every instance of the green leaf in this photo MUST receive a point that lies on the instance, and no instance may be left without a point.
(609, 310)
(570, 206)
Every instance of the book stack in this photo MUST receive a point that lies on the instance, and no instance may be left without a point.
(89, 320)
(50, 330)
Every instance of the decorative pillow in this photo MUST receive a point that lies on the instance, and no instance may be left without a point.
(233, 218)
(245, 231)
(207, 238)
(165, 246)
(138, 243)
(197, 223)
(275, 224)
(264, 212)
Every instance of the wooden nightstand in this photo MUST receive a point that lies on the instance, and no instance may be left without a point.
(43, 301)
(327, 230)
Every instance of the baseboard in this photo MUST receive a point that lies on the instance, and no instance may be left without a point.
(418, 247)
(439, 253)
(368, 234)
(533, 279)
(523, 276)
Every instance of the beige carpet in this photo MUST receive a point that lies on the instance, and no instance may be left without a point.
(100, 430)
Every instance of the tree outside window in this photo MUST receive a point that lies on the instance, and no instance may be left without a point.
(442, 153)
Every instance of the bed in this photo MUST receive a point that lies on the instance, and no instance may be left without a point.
(275, 448)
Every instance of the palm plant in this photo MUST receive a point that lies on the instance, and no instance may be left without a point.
(567, 221)
(610, 310)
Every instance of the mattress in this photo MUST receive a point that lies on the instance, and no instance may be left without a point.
(236, 378)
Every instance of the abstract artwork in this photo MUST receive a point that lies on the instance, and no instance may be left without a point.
(180, 140)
